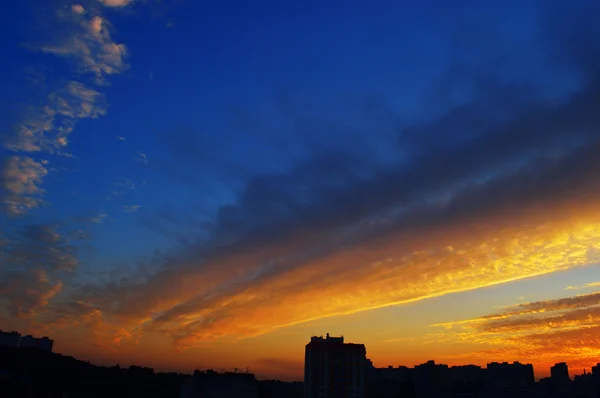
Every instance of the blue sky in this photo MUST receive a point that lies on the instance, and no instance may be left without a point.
(160, 155)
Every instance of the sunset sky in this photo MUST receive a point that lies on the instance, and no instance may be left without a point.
(192, 184)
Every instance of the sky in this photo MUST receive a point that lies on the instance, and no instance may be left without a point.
(189, 184)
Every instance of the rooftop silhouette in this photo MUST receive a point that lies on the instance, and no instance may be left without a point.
(334, 368)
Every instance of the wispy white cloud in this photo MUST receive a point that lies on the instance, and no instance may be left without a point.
(131, 209)
(125, 183)
(141, 157)
(99, 219)
(116, 3)
(47, 128)
(88, 103)
(78, 234)
(91, 46)
(121, 138)
(586, 286)
(21, 179)
(95, 219)
(86, 40)
(122, 184)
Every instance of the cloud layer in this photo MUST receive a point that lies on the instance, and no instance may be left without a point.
(89, 45)
(540, 331)
(35, 260)
(340, 232)
(84, 38)
(20, 180)
(39, 259)
(497, 188)
(116, 3)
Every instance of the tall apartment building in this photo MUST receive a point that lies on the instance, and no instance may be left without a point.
(560, 372)
(596, 378)
(559, 376)
(334, 369)
(510, 375)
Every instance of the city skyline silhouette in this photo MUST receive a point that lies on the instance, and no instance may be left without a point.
(333, 368)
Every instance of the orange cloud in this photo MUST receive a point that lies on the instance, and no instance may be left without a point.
(394, 269)
(115, 3)
(516, 200)
(541, 332)
(245, 290)
(489, 233)
(568, 303)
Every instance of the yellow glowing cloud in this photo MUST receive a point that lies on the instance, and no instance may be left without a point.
(388, 272)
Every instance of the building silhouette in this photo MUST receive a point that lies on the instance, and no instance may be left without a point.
(44, 343)
(10, 339)
(510, 376)
(334, 369)
(560, 372)
(280, 389)
(211, 384)
(430, 379)
(559, 378)
(15, 340)
(596, 379)
(400, 373)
